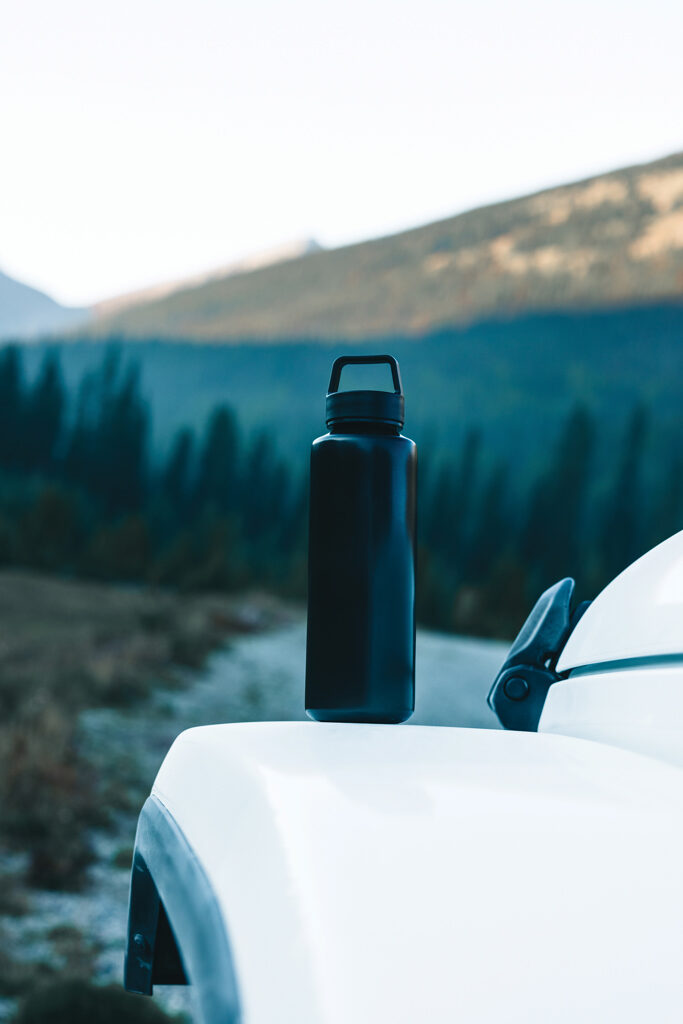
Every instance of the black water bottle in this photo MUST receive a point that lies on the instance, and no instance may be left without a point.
(360, 649)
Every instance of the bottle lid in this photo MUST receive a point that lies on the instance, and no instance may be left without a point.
(373, 406)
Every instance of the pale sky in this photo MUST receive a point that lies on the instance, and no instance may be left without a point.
(143, 140)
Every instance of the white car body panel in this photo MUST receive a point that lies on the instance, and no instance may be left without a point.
(639, 615)
(384, 873)
(625, 662)
(638, 708)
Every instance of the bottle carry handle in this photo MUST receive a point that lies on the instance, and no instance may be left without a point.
(339, 364)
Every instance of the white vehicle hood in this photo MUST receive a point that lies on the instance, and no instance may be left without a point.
(370, 874)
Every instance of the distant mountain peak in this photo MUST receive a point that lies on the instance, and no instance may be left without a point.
(26, 312)
(265, 258)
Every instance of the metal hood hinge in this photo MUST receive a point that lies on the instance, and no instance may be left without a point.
(521, 687)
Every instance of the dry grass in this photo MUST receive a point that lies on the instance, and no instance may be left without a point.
(65, 646)
(80, 1002)
(73, 958)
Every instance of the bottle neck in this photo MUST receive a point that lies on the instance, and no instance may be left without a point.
(373, 427)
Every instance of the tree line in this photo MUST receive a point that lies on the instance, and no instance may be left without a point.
(82, 492)
(488, 549)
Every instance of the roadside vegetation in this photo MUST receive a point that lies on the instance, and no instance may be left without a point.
(67, 646)
(80, 1002)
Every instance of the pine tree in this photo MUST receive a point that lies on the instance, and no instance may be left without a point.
(465, 489)
(176, 478)
(217, 477)
(123, 445)
(448, 517)
(266, 490)
(437, 517)
(11, 408)
(491, 531)
(107, 446)
(667, 514)
(44, 416)
(621, 536)
(80, 453)
(554, 529)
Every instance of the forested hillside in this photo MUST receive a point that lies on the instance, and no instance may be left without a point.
(515, 379)
(83, 492)
(613, 239)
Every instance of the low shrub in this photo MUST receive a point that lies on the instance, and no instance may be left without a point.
(79, 1002)
(47, 795)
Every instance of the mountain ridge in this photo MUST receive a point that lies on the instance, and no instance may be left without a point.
(265, 258)
(609, 240)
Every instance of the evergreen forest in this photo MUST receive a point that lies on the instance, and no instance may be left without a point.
(84, 492)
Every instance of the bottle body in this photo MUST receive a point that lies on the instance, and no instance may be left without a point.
(360, 651)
